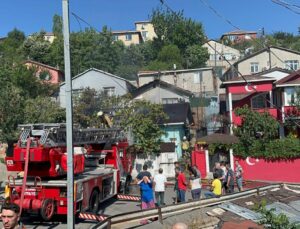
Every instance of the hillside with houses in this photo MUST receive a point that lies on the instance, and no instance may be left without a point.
(199, 83)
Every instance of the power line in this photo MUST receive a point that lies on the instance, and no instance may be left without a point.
(232, 66)
(87, 23)
(255, 40)
(287, 6)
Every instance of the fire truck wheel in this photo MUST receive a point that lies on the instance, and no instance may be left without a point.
(94, 201)
(47, 209)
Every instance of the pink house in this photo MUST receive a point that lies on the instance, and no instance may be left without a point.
(274, 94)
(45, 72)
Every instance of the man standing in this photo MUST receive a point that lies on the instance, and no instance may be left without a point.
(195, 185)
(176, 165)
(229, 180)
(143, 173)
(181, 184)
(239, 176)
(10, 216)
(159, 183)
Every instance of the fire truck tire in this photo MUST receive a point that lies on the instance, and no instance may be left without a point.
(94, 201)
(47, 209)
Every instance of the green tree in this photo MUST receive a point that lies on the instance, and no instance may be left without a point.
(36, 48)
(43, 110)
(143, 119)
(57, 26)
(256, 130)
(195, 56)
(131, 60)
(167, 57)
(10, 48)
(173, 28)
(90, 49)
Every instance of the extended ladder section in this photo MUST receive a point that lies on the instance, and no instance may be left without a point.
(54, 135)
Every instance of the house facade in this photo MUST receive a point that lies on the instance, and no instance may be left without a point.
(144, 31)
(175, 128)
(274, 95)
(263, 60)
(160, 92)
(49, 37)
(147, 30)
(128, 37)
(45, 72)
(220, 55)
(238, 36)
(200, 81)
(100, 81)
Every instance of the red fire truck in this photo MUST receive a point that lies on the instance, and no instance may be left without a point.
(102, 168)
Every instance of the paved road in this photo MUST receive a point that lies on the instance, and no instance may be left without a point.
(111, 207)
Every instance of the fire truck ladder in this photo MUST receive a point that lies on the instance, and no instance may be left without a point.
(54, 135)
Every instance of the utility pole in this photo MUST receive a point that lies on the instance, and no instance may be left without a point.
(69, 115)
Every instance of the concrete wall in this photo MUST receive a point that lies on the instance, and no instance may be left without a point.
(186, 79)
(154, 162)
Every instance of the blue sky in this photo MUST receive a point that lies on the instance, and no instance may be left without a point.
(33, 15)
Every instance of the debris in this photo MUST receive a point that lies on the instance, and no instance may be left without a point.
(249, 203)
(215, 212)
(241, 211)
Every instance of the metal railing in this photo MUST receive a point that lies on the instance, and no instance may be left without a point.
(160, 213)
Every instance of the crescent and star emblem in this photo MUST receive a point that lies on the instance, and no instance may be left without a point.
(249, 162)
(250, 88)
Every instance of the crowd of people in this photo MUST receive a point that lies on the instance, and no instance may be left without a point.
(224, 180)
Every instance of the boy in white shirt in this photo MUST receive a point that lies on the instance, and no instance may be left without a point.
(159, 183)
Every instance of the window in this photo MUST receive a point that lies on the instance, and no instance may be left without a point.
(145, 34)
(128, 37)
(169, 100)
(215, 57)
(259, 101)
(254, 67)
(109, 91)
(198, 77)
(115, 37)
(291, 64)
(228, 56)
(290, 95)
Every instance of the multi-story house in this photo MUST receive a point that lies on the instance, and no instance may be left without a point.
(48, 36)
(147, 30)
(273, 92)
(238, 36)
(128, 37)
(144, 31)
(262, 60)
(199, 81)
(221, 56)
